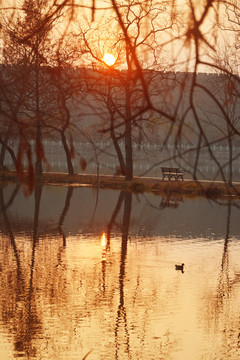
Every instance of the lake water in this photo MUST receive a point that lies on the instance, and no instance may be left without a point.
(69, 292)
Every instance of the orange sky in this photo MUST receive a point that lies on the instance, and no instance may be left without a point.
(176, 49)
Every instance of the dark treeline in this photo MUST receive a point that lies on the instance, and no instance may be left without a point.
(91, 110)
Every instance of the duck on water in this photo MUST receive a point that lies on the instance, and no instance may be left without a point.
(180, 267)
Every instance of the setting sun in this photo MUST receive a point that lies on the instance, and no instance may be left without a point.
(109, 59)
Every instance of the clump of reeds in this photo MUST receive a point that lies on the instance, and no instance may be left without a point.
(213, 192)
(138, 187)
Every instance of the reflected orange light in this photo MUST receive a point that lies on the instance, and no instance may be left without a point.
(103, 240)
(109, 59)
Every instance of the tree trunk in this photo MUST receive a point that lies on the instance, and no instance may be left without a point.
(128, 138)
(2, 156)
(230, 145)
(117, 148)
(10, 150)
(38, 165)
(68, 154)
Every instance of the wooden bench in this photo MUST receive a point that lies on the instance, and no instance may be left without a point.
(172, 173)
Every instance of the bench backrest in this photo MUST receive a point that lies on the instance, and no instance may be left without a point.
(170, 169)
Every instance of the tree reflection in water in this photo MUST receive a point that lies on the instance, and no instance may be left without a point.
(20, 311)
(223, 285)
(121, 328)
(219, 303)
(121, 320)
(61, 221)
(20, 314)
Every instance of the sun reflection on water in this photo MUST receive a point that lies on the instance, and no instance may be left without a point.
(103, 240)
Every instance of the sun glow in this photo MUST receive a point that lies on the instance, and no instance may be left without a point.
(109, 59)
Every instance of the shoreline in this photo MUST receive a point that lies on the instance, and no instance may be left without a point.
(188, 187)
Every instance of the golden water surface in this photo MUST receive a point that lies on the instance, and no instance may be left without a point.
(68, 293)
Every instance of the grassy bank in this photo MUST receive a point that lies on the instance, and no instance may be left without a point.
(188, 188)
